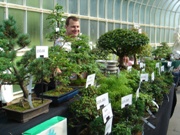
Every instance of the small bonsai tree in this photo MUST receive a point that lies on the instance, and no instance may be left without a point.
(122, 42)
(162, 51)
(11, 41)
(56, 24)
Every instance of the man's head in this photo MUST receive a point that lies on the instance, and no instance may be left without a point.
(72, 26)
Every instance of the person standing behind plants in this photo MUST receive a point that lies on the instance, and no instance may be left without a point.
(72, 31)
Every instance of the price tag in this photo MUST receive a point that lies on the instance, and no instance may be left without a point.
(169, 63)
(129, 68)
(126, 100)
(162, 68)
(42, 51)
(107, 112)
(144, 77)
(108, 126)
(152, 76)
(102, 101)
(157, 65)
(90, 80)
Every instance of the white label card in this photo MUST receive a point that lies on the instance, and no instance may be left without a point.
(169, 63)
(162, 68)
(157, 65)
(107, 112)
(126, 100)
(42, 51)
(102, 100)
(90, 80)
(152, 76)
(137, 94)
(141, 65)
(108, 126)
(129, 68)
(144, 77)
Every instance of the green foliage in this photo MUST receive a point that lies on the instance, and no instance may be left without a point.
(116, 87)
(162, 51)
(56, 21)
(10, 42)
(122, 42)
(121, 129)
(46, 67)
(81, 55)
(83, 110)
(145, 51)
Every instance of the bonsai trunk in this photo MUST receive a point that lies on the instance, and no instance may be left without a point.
(120, 60)
(135, 59)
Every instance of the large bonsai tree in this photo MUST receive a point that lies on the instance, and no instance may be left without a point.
(11, 41)
(122, 42)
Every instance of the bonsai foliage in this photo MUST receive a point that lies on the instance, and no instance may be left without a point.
(56, 21)
(82, 57)
(10, 42)
(44, 69)
(122, 42)
(162, 51)
(83, 111)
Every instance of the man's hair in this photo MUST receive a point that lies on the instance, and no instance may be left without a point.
(74, 18)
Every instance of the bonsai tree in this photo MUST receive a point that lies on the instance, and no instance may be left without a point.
(162, 51)
(56, 24)
(83, 58)
(11, 41)
(122, 42)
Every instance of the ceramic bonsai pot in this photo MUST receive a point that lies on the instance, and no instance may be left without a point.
(26, 115)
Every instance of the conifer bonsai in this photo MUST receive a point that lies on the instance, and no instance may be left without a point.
(11, 41)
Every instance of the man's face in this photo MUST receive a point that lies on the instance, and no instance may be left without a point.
(73, 28)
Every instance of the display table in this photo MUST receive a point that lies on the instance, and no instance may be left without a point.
(161, 122)
(9, 127)
(165, 112)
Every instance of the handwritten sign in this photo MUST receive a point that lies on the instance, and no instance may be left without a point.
(42, 51)
(102, 100)
(144, 77)
(90, 80)
(107, 112)
(126, 100)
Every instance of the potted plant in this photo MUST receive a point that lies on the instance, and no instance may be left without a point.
(12, 72)
(44, 71)
(81, 55)
(83, 112)
(122, 42)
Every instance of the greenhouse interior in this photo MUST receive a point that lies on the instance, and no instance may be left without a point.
(89, 67)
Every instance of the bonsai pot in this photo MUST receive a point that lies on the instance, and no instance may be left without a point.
(61, 98)
(24, 116)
